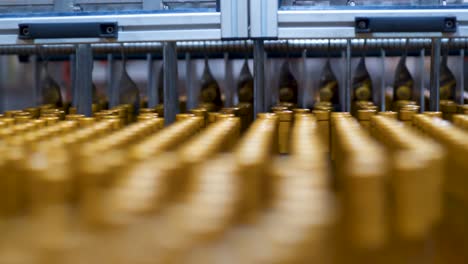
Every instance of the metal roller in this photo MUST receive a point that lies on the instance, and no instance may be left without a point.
(235, 46)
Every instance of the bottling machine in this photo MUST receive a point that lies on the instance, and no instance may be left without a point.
(233, 131)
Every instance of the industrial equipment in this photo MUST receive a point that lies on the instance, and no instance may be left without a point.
(233, 131)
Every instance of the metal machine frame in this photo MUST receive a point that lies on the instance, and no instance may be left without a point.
(262, 21)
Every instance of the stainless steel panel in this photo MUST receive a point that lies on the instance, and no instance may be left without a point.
(263, 19)
(132, 27)
(234, 18)
(297, 24)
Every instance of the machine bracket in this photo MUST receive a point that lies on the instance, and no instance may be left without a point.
(68, 30)
(405, 24)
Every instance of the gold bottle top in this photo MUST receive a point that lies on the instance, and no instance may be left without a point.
(433, 114)
(289, 105)
(448, 106)
(146, 116)
(285, 115)
(212, 117)
(180, 117)
(72, 117)
(301, 110)
(72, 110)
(148, 111)
(389, 114)
(222, 116)
(12, 113)
(40, 123)
(201, 112)
(406, 114)
(278, 108)
(365, 115)
(22, 119)
(272, 116)
(321, 115)
(34, 111)
(213, 139)
(230, 110)
(167, 139)
(53, 112)
(210, 107)
(8, 121)
(86, 121)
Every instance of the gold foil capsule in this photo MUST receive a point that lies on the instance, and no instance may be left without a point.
(323, 108)
(34, 111)
(148, 111)
(50, 120)
(323, 127)
(100, 114)
(414, 108)
(356, 105)
(73, 117)
(462, 109)
(230, 110)
(212, 117)
(390, 114)
(397, 105)
(122, 112)
(285, 118)
(129, 111)
(6, 132)
(12, 113)
(22, 119)
(301, 110)
(210, 107)
(183, 116)
(406, 116)
(277, 108)
(40, 123)
(46, 106)
(246, 115)
(448, 108)
(289, 105)
(116, 123)
(460, 121)
(53, 112)
(146, 116)
(9, 121)
(95, 108)
(433, 114)
(253, 156)
(72, 110)
(160, 110)
(267, 116)
(364, 117)
(223, 116)
(86, 121)
(201, 112)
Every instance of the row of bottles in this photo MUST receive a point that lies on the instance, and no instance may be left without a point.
(292, 186)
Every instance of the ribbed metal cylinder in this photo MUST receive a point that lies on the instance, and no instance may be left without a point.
(237, 46)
